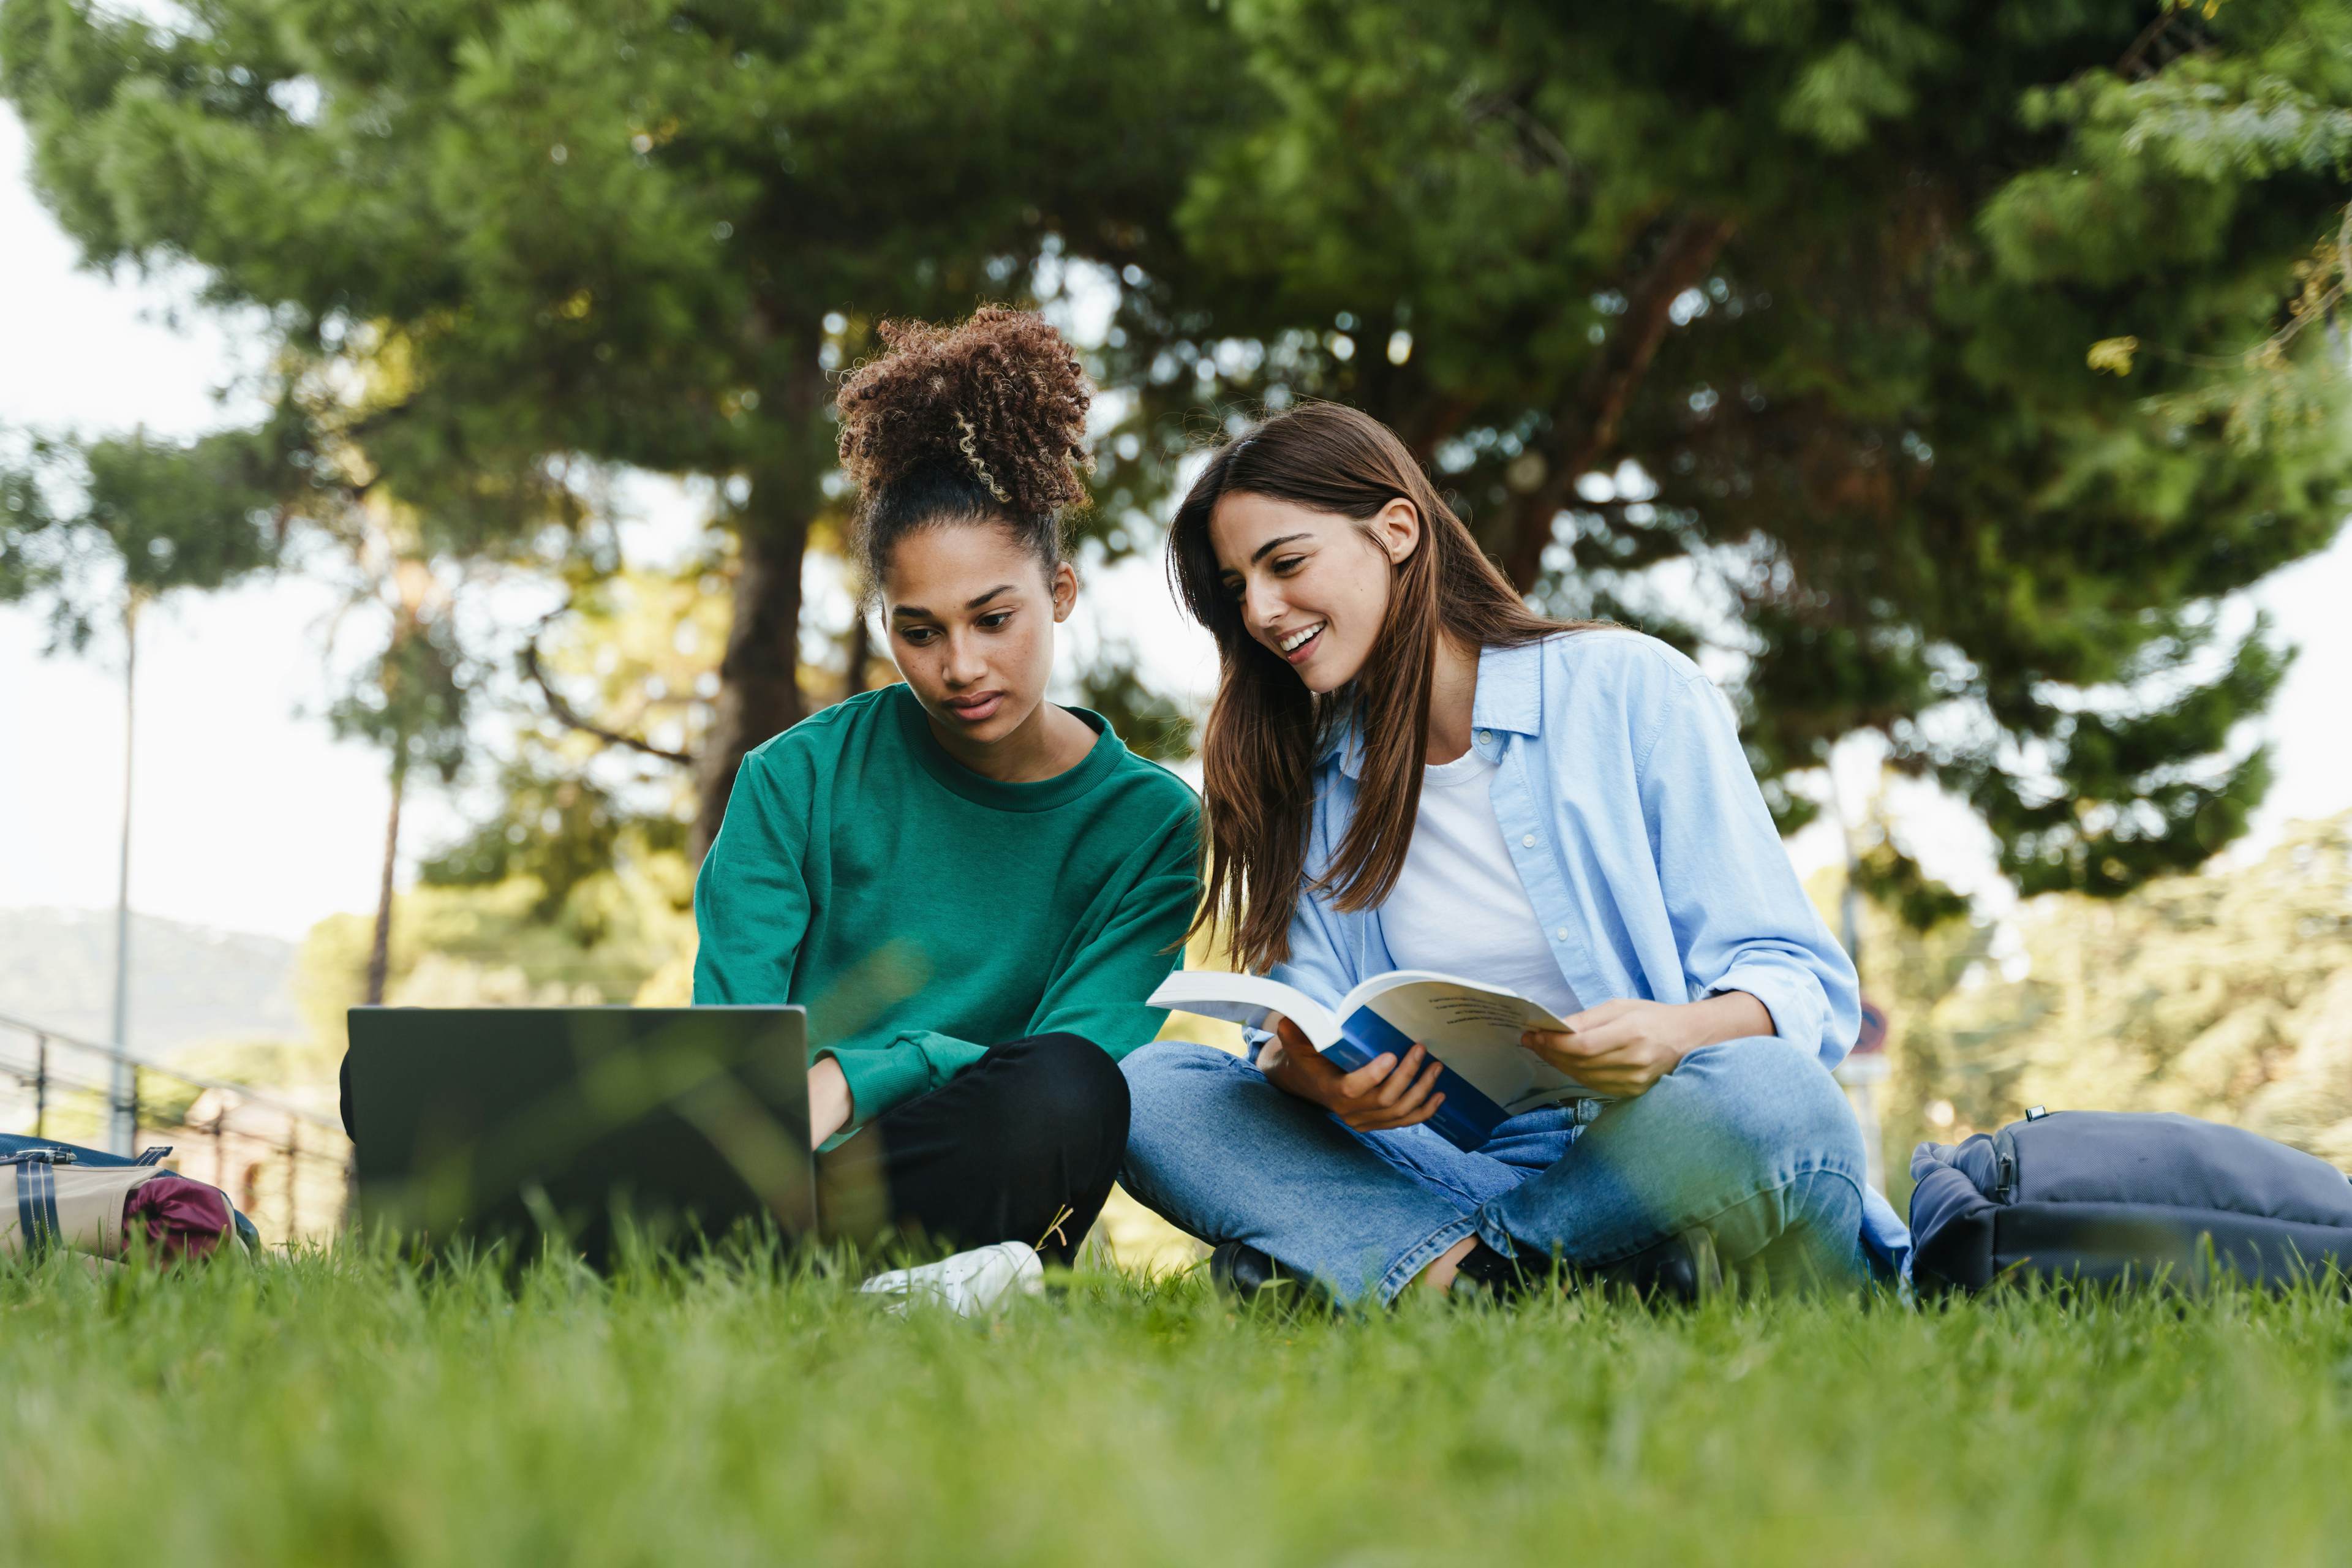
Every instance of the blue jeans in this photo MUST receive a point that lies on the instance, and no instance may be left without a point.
(1752, 1140)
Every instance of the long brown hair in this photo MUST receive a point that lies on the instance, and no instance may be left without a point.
(1267, 728)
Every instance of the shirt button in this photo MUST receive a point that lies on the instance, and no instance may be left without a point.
(1562, 933)
(1527, 840)
(1486, 737)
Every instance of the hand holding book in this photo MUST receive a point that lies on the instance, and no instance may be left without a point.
(1384, 1093)
(1620, 1047)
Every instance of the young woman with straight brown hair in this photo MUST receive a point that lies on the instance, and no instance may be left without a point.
(1405, 767)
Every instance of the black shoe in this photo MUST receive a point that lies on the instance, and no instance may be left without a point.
(1483, 1271)
(1682, 1268)
(1245, 1274)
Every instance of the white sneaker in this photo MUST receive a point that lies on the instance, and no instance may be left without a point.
(968, 1284)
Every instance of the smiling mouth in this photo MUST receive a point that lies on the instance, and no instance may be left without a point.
(1295, 647)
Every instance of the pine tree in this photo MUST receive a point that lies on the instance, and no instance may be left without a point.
(1822, 307)
(1963, 360)
(87, 525)
(637, 234)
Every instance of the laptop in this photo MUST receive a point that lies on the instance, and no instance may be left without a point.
(486, 1123)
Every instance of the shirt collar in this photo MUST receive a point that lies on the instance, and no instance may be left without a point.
(1511, 689)
(1509, 698)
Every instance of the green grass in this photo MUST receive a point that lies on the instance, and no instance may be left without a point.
(337, 1409)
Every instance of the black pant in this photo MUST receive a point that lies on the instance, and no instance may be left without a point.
(1022, 1146)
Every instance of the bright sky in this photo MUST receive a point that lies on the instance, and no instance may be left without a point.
(247, 818)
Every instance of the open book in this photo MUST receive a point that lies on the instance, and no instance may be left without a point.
(1473, 1029)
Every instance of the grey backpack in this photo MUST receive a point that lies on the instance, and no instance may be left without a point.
(2103, 1196)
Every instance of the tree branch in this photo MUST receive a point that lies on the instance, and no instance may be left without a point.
(1536, 138)
(1607, 387)
(2135, 62)
(565, 714)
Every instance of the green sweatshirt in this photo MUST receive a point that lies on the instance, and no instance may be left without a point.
(923, 913)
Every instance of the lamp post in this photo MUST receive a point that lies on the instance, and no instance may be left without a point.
(123, 1108)
(1865, 1067)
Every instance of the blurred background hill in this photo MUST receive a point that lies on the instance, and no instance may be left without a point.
(192, 983)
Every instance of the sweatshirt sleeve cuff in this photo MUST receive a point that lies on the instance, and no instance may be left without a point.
(879, 1080)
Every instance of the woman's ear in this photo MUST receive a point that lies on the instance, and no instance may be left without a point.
(1065, 591)
(1396, 528)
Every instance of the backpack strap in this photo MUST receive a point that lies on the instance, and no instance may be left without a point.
(153, 1155)
(36, 1207)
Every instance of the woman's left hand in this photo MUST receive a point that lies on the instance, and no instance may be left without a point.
(1620, 1048)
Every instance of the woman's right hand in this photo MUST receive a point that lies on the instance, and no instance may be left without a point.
(1384, 1093)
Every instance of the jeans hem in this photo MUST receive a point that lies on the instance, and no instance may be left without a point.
(1418, 1257)
(1492, 1233)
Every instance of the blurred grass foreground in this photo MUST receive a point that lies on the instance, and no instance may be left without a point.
(335, 1408)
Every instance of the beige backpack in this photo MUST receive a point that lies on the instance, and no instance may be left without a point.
(48, 1200)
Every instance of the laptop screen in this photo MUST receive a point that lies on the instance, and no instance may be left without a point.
(488, 1122)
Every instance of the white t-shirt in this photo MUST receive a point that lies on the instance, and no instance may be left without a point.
(1458, 906)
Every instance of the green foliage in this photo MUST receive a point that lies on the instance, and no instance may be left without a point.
(633, 654)
(2225, 994)
(1150, 724)
(1829, 276)
(637, 651)
(84, 523)
(643, 234)
(498, 944)
(339, 1408)
(559, 829)
(1837, 291)
(411, 699)
(1891, 879)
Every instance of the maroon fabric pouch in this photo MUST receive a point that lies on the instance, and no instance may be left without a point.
(183, 1218)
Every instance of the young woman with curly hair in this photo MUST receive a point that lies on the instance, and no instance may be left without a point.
(1407, 768)
(971, 889)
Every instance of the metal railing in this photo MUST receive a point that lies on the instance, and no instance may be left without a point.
(287, 1165)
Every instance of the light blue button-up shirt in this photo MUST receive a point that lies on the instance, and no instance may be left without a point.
(1641, 839)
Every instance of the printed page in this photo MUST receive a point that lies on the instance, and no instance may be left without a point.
(1246, 1000)
(1474, 1029)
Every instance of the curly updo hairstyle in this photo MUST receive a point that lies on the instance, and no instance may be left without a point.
(982, 421)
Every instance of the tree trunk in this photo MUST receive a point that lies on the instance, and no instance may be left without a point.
(758, 677)
(1588, 426)
(861, 652)
(380, 954)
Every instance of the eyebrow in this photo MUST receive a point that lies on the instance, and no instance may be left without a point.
(1260, 552)
(917, 612)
